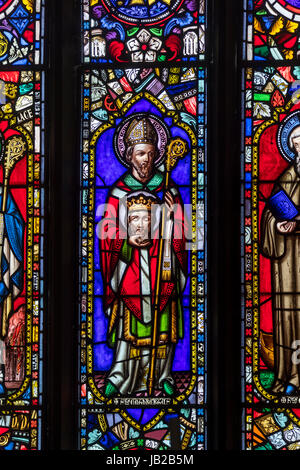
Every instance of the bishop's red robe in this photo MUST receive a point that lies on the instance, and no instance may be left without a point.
(115, 249)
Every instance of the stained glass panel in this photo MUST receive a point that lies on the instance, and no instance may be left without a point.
(21, 32)
(270, 237)
(22, 258)
(142, 294)
(115, 431)
(138, 31)
(271, 29)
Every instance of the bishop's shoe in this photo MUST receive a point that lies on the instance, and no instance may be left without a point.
(2, 390)
(291, 390)
(110, 390)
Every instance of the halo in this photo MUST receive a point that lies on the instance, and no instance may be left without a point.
(290, 9)
(163, 135)
(288, 125)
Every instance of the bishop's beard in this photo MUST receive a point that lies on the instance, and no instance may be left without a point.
(144, 170)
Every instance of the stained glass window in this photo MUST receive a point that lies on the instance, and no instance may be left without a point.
(270, 230)
(143, 226)
(271, 30)
(129, 32)
(22, 127)
(22, 32)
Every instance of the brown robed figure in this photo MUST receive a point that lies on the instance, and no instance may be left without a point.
(280, 241)
(130, 264)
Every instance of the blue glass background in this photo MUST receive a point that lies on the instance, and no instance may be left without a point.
(141, 11)
(295, 3)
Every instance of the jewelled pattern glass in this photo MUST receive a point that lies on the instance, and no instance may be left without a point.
(130, 32)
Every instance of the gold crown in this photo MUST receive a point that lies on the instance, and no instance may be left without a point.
(140, 132)
(140, 203)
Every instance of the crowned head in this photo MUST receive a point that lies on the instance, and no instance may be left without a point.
(139, 207)
(140, 202)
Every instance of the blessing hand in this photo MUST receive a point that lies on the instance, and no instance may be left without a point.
(287, 226)
(170, 203)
